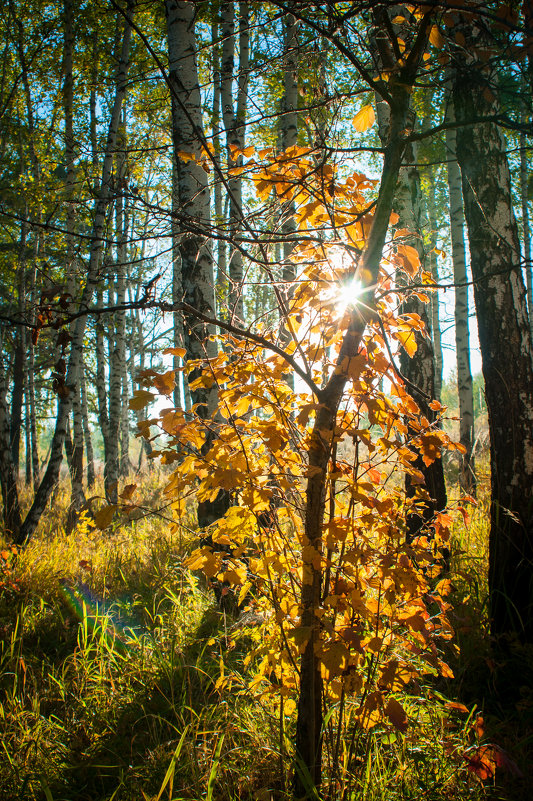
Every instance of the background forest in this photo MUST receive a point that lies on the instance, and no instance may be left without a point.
(266, 400)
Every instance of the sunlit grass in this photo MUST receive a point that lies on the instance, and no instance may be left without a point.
(111, 658)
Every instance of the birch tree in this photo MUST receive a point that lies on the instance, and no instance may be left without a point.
(234, 116)
(462, 329)
(418, 365)
(67, 387)
(504, 335)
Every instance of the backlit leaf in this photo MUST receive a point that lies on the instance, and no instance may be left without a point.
(364, 119)
(165, 382)
(436, 38)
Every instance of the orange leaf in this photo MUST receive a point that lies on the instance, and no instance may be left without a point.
(175, 352)
(455, 706)
(165, 383)
(409, 258)
(185, 156)
(436, 38)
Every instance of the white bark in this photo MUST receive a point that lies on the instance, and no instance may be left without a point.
(51, 475)
(234, 124)
(193, 191)
(462, 333)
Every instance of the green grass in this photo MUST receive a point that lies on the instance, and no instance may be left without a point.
(111, 658)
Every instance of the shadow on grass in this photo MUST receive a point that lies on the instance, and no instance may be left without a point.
(495, 680)
(128, 754)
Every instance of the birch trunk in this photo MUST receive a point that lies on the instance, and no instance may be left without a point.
(117, 343)
(222, 265)
(193, 191)
(19, 362)
(433, 267)
(51, 475)
(418, 369)
(505, 343)
(76, 462)
(467, 477)
(195, 215)
(234, 124)
(89, 452)
(289, 138)
(177, 289)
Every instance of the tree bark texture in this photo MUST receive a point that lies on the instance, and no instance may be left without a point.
(467, 477)
(193, 190)
(289, 139)
(8, 478)
(434, 269)
(194, 212)
(117, 345)
(526, 225)
(418, 369)
(505, 343)
(234, 115)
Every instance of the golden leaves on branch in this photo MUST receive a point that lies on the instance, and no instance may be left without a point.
(375, 585)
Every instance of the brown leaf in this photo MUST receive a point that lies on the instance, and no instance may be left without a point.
(128, 491)
(397, 715)
(165, 382)
(140, 399)
(104, 516)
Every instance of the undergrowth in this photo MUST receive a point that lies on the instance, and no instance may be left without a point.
(120, 681)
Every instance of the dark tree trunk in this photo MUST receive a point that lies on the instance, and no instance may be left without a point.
(505, 343)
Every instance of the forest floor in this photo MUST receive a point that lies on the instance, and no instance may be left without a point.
(114, 667)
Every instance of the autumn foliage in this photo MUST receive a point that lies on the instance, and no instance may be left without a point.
(383, 608)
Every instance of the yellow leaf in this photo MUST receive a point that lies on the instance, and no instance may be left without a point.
(185, 156)
(364, 119)
(369, 714)
(334, 657)
(300, 635)
(288, 708)
(407, 340)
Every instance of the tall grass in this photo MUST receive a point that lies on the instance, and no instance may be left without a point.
(120, 680)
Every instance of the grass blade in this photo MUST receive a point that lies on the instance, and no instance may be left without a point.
(214, 769)
(169, 775)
